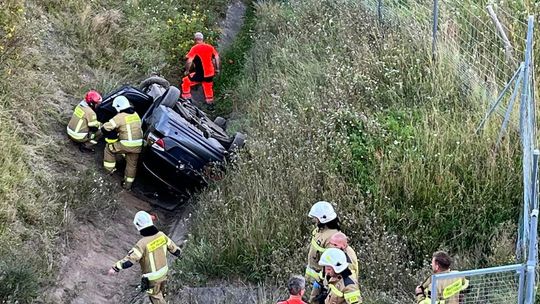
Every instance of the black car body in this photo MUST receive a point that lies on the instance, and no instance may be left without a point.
(183, 147)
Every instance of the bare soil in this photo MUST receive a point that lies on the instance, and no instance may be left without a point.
(92, 247)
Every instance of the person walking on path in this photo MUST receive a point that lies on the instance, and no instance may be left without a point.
(151, 253)
(204, 59)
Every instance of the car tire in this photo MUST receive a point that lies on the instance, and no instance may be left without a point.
(154, 79)
(170, 98)
(221, 122)
(238, 141)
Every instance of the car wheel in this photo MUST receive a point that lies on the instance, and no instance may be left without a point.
(154, 79)
(238, 141)
(170, 98)
(221, 122)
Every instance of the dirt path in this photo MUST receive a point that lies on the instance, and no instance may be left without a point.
(94, 246)
(232, 24)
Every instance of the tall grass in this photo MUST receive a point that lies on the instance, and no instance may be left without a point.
(338, 110)
(51, 52)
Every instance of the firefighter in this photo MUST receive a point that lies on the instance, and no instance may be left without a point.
(448, 290)
(83, 128)
(151, 253)
(123, 135)
(339, 240)
(327, 222)
(341, 284)
(205, 60)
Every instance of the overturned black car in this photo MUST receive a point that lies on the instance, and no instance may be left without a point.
(183, 147)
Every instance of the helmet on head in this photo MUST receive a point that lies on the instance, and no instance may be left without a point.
(121, 103)
(334, 258)
(323, 211)
(93, 98)
(142, 220)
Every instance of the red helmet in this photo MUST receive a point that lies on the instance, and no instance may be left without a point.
(92, 98)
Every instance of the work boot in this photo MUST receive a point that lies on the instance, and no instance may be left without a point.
(110, 171)
(127, 185)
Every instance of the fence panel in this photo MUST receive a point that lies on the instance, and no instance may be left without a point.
(496, 285)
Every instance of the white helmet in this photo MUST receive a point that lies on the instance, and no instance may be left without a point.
(323, 211)
(334, 258)
(120, 103)
(142, 220)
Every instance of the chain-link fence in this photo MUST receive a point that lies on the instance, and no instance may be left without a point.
(514, 283)
(490, 44)
(490, 285)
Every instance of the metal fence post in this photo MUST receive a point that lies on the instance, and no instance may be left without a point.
(433, 286)
(507, 45)
(521, 285)
(531, 260)
(525, 130)
(435, 26)
(379, 11)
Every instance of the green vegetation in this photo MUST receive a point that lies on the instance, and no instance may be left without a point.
(233, 65)
(51, 52)
(339, 110)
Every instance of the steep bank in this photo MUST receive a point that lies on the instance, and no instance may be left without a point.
(337, 110)
(58, 211)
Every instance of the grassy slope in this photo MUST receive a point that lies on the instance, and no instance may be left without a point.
(336, 111)
(51, 52)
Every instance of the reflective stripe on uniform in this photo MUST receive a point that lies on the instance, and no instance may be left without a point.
(130, 179)
(93, 123)
(152, 262)
(335, 290)
(111, 141)
(312, 273)
(132, 143)
(137, 252)
(316, 246)
(119, 265)
(75, 135)
(131, 118)
(156, 275)
(107, 164)
(113, 123)
(352, 297)
(455, 288)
